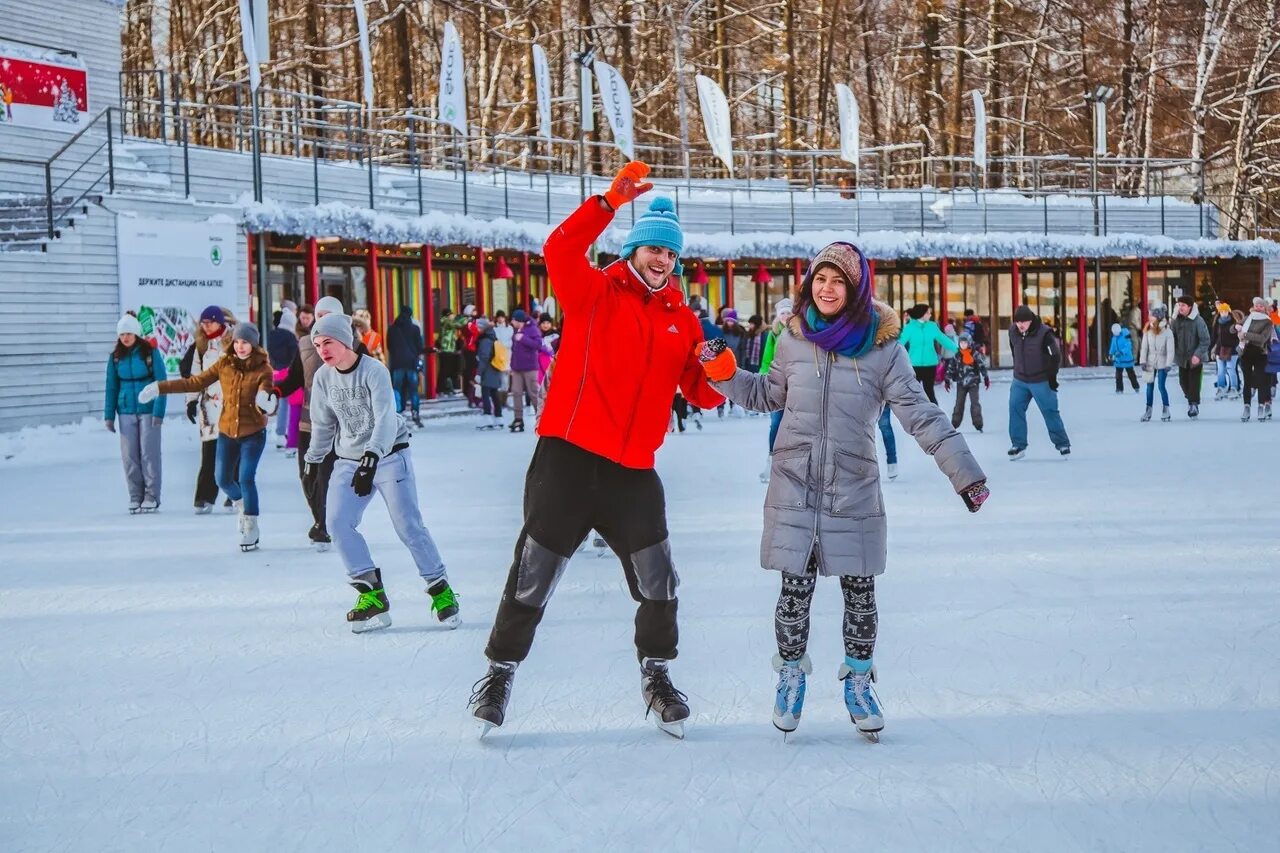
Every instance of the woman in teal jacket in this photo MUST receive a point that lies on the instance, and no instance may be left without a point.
(132, 364)
(921, 337)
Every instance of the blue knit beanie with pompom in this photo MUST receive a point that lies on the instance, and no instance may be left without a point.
(657, 226)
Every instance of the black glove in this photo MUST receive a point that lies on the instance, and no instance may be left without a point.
(191, 410)
(362, 482)
(1053, 382)
(976, 495)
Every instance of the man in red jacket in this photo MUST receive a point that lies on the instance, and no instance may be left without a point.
(628, 341)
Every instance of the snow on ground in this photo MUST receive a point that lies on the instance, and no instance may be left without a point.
(1088, 664)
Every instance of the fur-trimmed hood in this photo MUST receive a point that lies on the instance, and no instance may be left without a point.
(889, 330)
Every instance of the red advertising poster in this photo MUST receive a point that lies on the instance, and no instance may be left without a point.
(42, 87)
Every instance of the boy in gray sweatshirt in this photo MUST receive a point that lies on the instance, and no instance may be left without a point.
(353, 413)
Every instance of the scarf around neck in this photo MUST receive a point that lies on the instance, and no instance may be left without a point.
(843, 337)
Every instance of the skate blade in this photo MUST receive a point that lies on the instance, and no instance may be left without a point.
(373, 623)
(321, 547)
(452, 622)
(485, 727)
(872, 737)
(247, 548)
(676, 729)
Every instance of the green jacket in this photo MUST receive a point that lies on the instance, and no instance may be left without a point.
(919, 336)
(448, 329)
(770, 344)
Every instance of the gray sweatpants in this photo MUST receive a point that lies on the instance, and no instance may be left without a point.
(395, 482)
(140, 452)
(522, 382)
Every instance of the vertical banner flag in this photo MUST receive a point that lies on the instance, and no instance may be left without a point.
(979, 131)
(850, 125)
(42, 87)
(542, 81)
(586, 107)
(362, 26)
(715, 118)
(453, 90)
(617, 107)
(249, 41)
(1100, 128)
(261, 30)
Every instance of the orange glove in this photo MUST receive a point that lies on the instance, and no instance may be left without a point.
(717, 360)
(627, 185)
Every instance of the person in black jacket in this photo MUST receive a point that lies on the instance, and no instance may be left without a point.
(1190, 350)
(405, 350)
(1036, 359)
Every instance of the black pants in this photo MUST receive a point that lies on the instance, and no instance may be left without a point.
(680, 406)
(446, 372)
(926, 375)
(316, 499)
(469, 363)
(1253, 367)
(1133, 378)
(206, 480)
(567, 493)
(791, 617)
(970, 393)
(1189, 378)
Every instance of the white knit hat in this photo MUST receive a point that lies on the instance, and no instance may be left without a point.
(128, 325)
(329, 305)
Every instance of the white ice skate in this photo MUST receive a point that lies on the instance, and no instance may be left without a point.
(861, 702)
(789, 694)
(135, 507)
(150, 505)
(248, 533)
(893, 470)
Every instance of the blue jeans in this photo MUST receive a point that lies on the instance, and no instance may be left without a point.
(282, 417)
(404, 379)
(1020, 397)
(775, 421)
(1227, 373)
(1161, 376)
(237, 465)
(886, 432)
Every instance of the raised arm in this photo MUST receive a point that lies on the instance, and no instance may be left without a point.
(191, 383)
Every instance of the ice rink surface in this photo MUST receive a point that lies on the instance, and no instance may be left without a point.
(1090, 663)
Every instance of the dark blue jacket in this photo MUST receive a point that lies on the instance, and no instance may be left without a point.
(404, 344)
(128, 376)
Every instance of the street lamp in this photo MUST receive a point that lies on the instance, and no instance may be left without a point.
(1098, 97)
(683, 104)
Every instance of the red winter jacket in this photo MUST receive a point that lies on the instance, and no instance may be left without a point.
(623, 350)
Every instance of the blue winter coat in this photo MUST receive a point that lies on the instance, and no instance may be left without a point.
(127, 377)
(1121, 350)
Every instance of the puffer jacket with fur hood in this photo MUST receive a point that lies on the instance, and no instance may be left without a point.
(824, 492)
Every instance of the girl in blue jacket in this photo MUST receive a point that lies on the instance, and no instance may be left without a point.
(1122, 357)
(130, 367)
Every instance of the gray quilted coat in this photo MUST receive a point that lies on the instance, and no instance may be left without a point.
(824, 489)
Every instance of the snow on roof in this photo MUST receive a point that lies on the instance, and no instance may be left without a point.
(337, 219)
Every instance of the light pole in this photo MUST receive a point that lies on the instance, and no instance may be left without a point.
(1098, 99)
(677, 33)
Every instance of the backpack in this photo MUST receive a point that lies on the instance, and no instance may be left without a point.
(501, 357)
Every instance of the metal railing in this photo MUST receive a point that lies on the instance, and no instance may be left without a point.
(82, 166)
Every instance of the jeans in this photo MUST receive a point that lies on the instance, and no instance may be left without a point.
(1161, 376)
(238, 466)
(404, 383)
(886, 432)
(1227, 373)
(1020, 397)
(282, 417)
(775, 421)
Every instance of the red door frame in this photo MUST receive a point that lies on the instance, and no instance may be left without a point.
(1082, 310)
(312, 275)
(942, 285)
(480, 287)
(429, 320)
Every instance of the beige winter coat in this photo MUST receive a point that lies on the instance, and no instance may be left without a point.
(1157, 351)
(824, 491)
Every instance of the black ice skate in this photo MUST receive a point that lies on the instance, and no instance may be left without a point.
(489, 696)
(517, 425)
(370, 612)
(1016, 453)
(444, 603)
(669, 706)
(319, 538)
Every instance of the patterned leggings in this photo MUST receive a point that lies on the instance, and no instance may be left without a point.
(791, 618)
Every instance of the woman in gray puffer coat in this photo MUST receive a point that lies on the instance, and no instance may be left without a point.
(834, 368)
